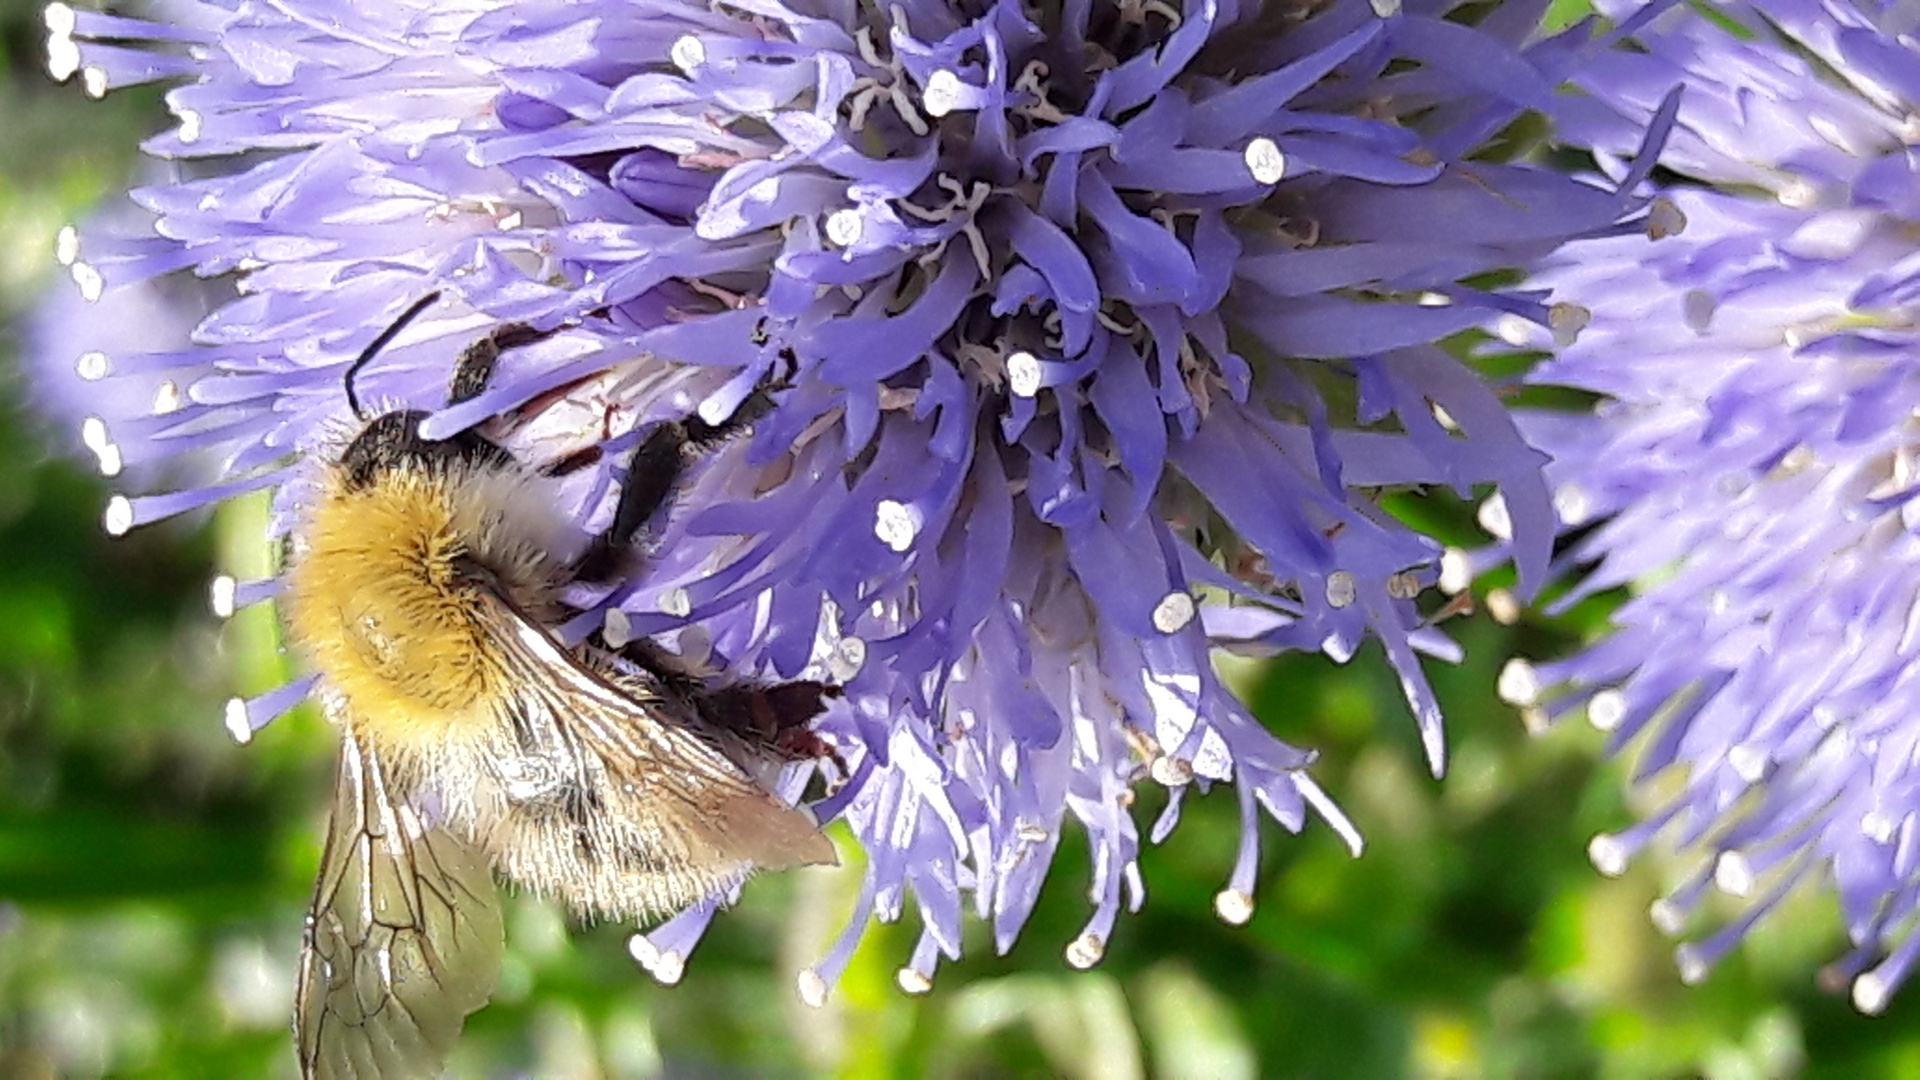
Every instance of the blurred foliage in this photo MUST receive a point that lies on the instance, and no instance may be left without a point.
(153, 875)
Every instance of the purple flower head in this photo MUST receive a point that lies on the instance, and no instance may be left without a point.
(1099, 328)
(1752, 472)
(73, 332)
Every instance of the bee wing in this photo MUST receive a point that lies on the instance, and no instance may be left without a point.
(403, 938)
(664, 816)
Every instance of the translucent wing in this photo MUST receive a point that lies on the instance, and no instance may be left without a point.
(622, 802)
(403, 938)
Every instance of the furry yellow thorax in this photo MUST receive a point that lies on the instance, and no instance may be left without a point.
(380, 607)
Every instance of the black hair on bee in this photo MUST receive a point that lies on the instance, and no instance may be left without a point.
(426, 579)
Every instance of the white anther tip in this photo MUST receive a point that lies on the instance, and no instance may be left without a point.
(118, 517)
(1085, 951)
(1265, 161)
(813, 989)
(1233, 906)
(239, 726)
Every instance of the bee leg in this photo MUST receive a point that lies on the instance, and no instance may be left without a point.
(572, 463)
(475, 369)
(663, 455)
(666, 669)
(777, 721)
(775, 717)
(771, 717)
(765, 714)
(654, 471)
(774, 720)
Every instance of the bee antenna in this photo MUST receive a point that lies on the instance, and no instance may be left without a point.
(387, 335)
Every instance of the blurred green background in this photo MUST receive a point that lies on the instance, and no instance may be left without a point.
(153, 875)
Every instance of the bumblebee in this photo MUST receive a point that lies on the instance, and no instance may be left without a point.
(425, 581)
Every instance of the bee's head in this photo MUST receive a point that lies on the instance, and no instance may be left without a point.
(393, 442)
